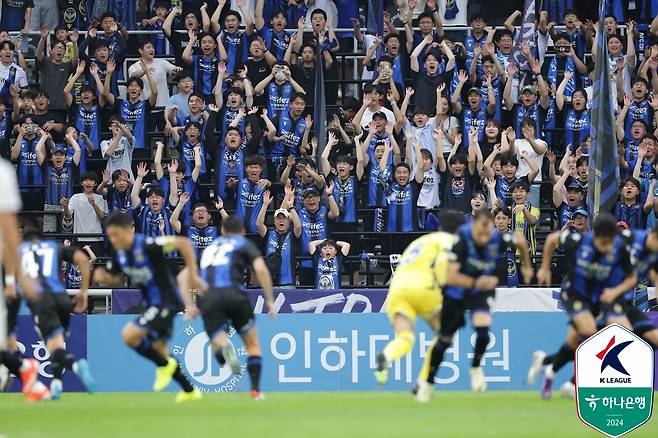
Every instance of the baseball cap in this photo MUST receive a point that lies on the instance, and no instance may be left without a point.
(530, 88)
(475, 89)
(574, 188)
(309, 192)
(59, 148)
(579, 211)
(282, 211)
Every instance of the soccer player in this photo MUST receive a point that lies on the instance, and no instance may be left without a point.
(10, 357)
(470, 282)
(226, 303)
(143, 260)
(51, 306)
(599, 274)
(414, 290)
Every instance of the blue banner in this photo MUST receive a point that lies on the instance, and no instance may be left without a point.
(31, 345)
(285, 300)
(328, 352)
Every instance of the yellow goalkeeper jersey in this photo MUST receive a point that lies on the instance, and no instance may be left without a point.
(424, 263)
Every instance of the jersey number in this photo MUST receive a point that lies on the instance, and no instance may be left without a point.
(30, 264)
(217, 255)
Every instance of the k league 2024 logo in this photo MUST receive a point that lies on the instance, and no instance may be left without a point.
(614, 381)
(193, 351)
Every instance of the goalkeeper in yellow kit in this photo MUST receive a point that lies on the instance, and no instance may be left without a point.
(415, 290)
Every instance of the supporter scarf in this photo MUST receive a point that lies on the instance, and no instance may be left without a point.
(552, 75)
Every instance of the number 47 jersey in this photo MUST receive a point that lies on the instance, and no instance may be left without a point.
(41, 261)
(224, 262)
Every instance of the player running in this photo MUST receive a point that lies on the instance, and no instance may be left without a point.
(51, 306)
(226, 303)
(470, 282)
(415, 290)
(11, 360)
(644, 248)
(143, 260)
(599, 277)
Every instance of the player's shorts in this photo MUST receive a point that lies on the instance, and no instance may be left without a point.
(221, 308)
(575, 304)
(158, 321)
(412, 302)
(51, 314)
(452, 313)
(639, 321)
(13, 306)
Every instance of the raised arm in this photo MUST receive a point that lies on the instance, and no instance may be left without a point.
(41, 46)
(509, 23)
(142, 171)
(167, 24)
(260, 219)
(174, 220)
(417, 51)
(215, 27)
(559, 94)
(439, 160)
(558, 195)
(507, 91)
(324, 158)
(456, 104)
(107, 86)
(157, 160)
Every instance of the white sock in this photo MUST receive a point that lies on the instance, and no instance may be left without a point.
(25, 365)
(550, 374)
(56, 384)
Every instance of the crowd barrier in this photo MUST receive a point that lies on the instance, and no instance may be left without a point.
(320, 341)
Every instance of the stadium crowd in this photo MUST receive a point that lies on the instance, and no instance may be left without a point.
(212, 112)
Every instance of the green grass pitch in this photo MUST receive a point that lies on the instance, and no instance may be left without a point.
(366, 414)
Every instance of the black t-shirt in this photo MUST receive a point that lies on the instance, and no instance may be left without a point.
(457, 192)
(256, 72)
(178, 42)
(50, 116)
(425, 90)
(305, 77)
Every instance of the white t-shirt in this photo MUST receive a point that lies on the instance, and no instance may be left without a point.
(121, 158)
(429, 191)
(21, 77)
(84, 215)
(328, 6)
(367, 116)
(160, 68)
(368, 41)
(449, 124)
(524, 145)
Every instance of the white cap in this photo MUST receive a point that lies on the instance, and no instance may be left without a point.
(282, 211)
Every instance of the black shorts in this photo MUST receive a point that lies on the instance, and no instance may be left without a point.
(639, 321)
(223, 307)
(13, 306)
(52, 313)
(158, 321)
(603, 311)
(575, 304)
(452, 312)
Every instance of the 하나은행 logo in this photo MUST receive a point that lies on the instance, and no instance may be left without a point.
(614, 381)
